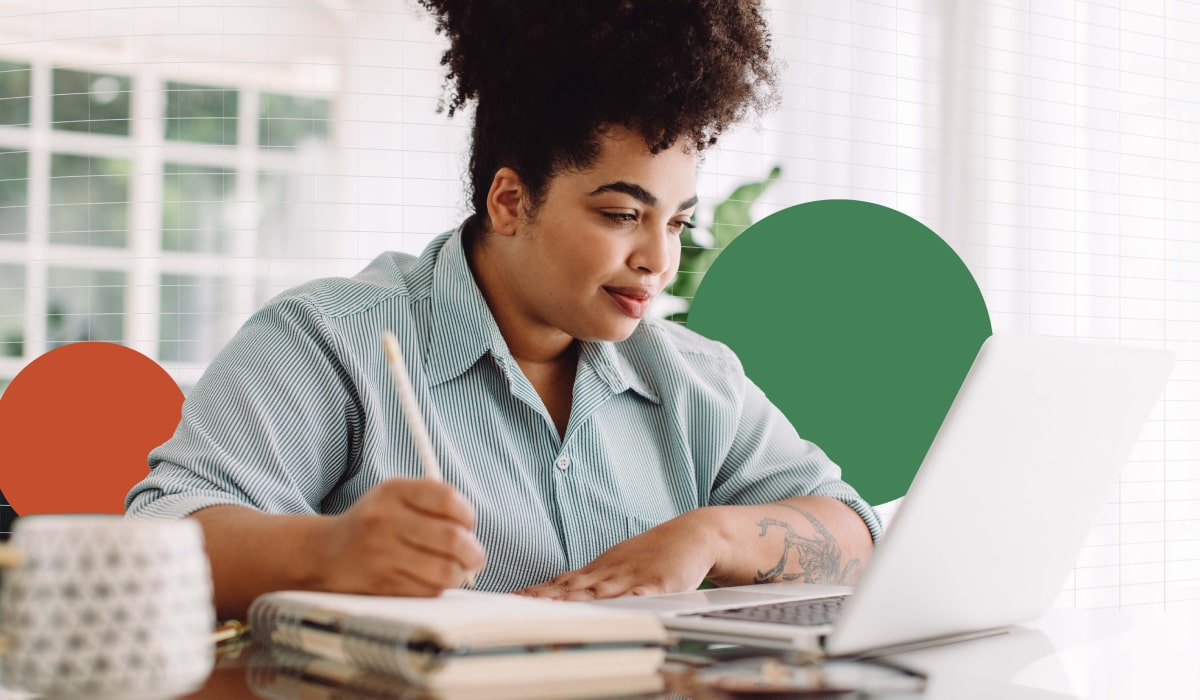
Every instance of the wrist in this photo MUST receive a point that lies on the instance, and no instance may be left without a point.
(713, 527)
(314, 553)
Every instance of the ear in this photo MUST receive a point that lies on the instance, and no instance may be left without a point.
(504, 201)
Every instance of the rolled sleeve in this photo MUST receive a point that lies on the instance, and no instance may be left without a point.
(768, 461)
(266, 426)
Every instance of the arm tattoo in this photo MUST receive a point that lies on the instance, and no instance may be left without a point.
(819, 558)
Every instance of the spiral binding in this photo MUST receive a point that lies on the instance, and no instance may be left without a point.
(368, 643)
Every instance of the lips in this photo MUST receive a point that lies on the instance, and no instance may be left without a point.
(634, 302)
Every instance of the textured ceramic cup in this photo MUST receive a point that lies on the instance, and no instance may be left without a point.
(102, 606)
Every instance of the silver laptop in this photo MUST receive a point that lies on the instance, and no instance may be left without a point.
(991, 525)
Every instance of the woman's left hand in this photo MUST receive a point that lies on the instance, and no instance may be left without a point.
(672, 557)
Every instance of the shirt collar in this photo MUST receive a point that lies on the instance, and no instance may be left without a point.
(461, 326)
(462, 329)
(617, 364)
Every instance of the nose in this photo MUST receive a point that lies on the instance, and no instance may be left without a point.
(656, 252)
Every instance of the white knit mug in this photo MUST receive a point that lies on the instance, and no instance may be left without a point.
(101, 606)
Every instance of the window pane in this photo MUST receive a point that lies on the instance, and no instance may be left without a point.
(97, 103)
(201, 113)
(14, 94)
(12, 310)
(84, 305)
(195, 208)
(192, 309)
(14, 180)
(286, 121)
(89, 200)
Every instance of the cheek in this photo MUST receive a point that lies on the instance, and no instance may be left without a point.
(592, 256)
(675, 249)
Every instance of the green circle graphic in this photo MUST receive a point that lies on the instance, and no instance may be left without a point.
(858, 322)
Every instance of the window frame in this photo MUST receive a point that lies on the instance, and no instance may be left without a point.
(143, 259)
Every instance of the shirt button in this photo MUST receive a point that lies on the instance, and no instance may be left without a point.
(562, 463)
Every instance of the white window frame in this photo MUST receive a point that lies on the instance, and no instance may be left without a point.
(142, 260)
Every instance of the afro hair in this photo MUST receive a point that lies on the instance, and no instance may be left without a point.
(548, 76)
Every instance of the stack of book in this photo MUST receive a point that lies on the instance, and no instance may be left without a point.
(459, 646)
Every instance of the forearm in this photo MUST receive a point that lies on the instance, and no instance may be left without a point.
(806, 539)
(252, 553)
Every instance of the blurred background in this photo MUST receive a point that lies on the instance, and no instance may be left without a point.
(166, 166)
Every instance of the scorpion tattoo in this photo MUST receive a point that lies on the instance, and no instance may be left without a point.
(818, 559)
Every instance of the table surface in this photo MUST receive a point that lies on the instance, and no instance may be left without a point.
(1095, 654)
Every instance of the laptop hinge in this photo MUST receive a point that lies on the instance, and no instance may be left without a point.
(910, 646)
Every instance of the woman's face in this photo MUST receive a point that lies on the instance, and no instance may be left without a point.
(605, 240)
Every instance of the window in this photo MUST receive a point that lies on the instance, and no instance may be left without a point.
(14, 175)
(95, 103)
(138, 224)
(14, 94)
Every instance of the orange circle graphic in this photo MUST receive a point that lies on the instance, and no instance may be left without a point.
(77, 424)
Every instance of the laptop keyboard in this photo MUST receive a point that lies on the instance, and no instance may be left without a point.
(805, 613)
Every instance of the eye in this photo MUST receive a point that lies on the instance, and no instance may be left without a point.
(680, 224)
(620, 217)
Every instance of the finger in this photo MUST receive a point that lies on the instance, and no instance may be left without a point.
(444, 538)
(403, 583)
(575, 579)
(644, 590)
(547, 589)
(543, 591)
(605, 588)
(580, 584)
(436, 499)
(432, 569)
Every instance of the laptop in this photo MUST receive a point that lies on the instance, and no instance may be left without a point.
(992, 522)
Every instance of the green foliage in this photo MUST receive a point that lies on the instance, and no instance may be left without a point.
(730, 218)
(13, 344)
(201, 113)
(95, 103)
(286, 121)
(14, 93)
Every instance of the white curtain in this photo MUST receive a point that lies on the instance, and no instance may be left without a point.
(1055, 146)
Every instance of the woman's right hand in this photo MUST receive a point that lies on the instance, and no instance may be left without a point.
(408, 537)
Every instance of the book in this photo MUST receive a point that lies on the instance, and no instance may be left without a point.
(286, 674)
(464, 640)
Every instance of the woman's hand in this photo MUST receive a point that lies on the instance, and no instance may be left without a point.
(409, 537)
(674, 556)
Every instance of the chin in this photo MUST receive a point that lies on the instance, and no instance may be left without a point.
(608, 332)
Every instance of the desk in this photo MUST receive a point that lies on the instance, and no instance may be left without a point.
(1095, 654)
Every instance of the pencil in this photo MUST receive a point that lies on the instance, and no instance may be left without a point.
(412, 415)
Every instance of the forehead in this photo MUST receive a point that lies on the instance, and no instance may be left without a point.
(623, 156)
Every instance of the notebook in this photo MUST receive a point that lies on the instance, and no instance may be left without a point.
(993, 520)
(287, 674)
(463, 643)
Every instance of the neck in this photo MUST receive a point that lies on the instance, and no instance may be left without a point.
(529, 341)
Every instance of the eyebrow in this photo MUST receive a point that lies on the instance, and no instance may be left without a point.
(639, 193)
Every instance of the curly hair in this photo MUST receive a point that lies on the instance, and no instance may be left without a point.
(548, 76)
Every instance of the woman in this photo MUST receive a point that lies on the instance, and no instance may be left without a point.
(588, 451)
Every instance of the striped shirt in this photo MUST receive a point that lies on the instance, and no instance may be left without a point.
(298, 414)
